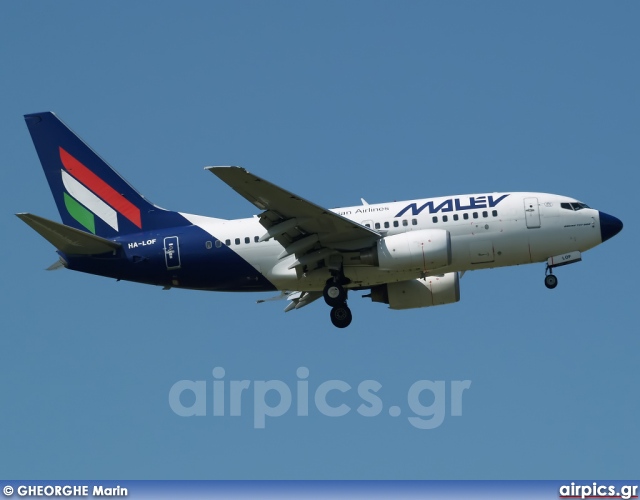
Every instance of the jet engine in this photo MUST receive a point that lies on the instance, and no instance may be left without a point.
(422, 250)
(423, 292)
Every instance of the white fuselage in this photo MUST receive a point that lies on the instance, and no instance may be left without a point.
(487, 231)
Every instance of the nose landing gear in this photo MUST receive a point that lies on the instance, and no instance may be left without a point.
(550, 280)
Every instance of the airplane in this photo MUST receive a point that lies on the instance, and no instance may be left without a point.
(406, 254)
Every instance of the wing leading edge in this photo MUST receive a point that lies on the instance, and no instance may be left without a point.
(299, 225)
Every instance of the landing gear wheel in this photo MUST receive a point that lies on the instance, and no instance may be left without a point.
(334, 294)
(341, 316)
(550, 281)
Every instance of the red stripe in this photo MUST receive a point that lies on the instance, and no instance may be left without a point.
(101, 188)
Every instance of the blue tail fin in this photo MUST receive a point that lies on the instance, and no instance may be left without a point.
(90, 195)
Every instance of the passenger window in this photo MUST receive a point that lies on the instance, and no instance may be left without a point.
(494, 213)
(209, 245)
(256, 239)
(386, 225)
(485, 214)
(475, 215)
(247, 240)
(414, 222)
(237, 241)
(455, 216)
(434, 219)
(405, 222)
(377, 226)
(465, 216)
(445, 218)
(227, 242)
(368, 225)
(395, 223)
(218, 243)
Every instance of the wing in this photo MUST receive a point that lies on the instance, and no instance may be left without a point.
(305, 229)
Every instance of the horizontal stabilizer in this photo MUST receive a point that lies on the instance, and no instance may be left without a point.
(67, 239)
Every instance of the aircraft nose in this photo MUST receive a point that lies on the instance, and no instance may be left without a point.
(609, 226)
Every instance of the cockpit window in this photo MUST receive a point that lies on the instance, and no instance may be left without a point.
(574, 206)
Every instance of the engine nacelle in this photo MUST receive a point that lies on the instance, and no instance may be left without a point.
(422, 250)
(423, 292)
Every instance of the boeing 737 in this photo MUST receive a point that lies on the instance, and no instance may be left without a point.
(406, 254)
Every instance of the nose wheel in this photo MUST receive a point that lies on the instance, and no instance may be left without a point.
(550, 280)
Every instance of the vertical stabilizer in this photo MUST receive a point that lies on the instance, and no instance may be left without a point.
(90, 194)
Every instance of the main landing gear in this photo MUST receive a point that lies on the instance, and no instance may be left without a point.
(341, 316)
(335, 296)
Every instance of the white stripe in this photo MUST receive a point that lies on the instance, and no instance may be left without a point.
(90, 200)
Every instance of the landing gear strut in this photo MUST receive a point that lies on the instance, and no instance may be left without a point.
(550, 280)
(335, 296)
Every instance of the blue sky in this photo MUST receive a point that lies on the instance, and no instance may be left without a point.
(333, 101)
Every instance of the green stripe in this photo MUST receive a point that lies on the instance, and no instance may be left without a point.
(79, 213)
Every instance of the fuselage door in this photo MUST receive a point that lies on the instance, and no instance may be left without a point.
(172, 252)
(532, 212)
